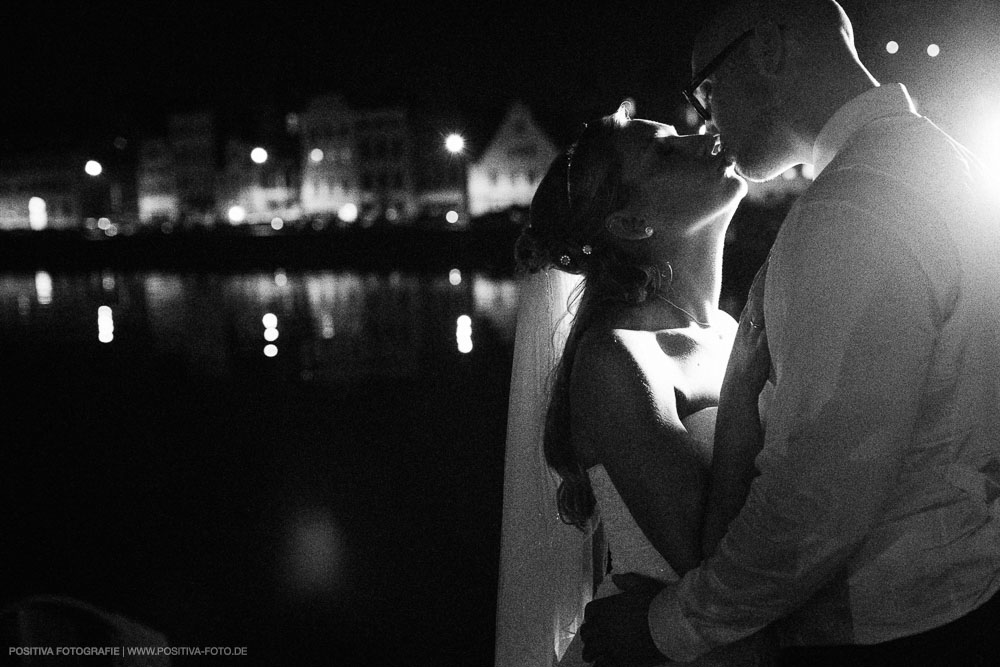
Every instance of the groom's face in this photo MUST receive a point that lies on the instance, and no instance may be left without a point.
(743, 106)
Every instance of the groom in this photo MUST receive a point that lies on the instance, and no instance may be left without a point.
(872, 534)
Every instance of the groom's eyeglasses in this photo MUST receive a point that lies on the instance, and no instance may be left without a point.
(694, 94)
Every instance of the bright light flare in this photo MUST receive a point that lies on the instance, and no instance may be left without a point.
(258, 155)
(454, 143)
(93, 168)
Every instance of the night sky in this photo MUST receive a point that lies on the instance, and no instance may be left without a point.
(80, 73)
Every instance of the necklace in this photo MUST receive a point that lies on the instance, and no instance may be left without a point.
(693, 318)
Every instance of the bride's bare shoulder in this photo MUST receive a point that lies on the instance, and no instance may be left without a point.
(622, 360)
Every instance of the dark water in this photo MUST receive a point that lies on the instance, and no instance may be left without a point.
(336, 503)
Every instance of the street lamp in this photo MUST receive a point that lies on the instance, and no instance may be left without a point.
(454, 143)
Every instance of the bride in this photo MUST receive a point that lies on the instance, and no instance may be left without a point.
(633, 218)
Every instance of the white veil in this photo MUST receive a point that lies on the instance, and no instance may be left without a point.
(546, 571)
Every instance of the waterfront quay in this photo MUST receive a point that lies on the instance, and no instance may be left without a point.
(377, 249)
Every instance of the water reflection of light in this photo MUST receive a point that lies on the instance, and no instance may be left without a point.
(463, 334)
(43, 288)
(326, 325)
(315, 553)
(270, 350)
(455, 277)
(105, 325)
(496, 300)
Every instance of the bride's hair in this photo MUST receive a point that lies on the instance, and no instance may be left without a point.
(566, 230)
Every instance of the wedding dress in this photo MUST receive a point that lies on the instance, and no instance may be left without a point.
(546, 567)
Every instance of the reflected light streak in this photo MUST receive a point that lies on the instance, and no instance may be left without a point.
(326, 326)
(463, 334)
(105, 324)
(315, 554)
(43, 288)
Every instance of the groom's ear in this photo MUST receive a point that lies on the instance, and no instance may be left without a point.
(628, 227)
(768, 47)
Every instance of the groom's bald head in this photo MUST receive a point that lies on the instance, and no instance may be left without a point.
(786, 67)
(820, 25)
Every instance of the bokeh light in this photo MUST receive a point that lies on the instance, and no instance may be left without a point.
(38, 217)
(348, 213)
(237, 214)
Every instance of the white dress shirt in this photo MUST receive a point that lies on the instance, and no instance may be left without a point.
(877, 511)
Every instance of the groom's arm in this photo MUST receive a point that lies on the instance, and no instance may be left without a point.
(739, 436)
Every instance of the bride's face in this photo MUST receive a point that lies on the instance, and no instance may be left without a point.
(682, 179)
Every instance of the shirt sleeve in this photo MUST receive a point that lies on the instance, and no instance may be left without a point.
(851, 326)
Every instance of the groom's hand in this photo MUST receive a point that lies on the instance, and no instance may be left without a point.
(615, 629)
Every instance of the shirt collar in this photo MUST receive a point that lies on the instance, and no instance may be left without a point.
(881, 101)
